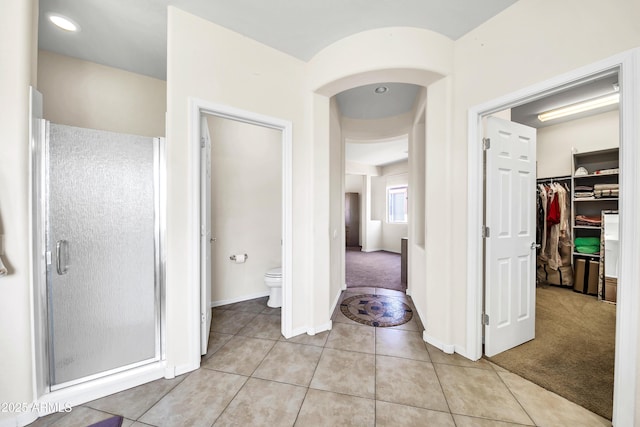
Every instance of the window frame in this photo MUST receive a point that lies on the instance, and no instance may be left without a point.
(397, 189)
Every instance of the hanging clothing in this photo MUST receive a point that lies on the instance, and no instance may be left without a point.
(543, 197)
(554, 257)
(553, 212)
(556, 237)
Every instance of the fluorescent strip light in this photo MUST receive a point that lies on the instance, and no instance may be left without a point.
(580, 107)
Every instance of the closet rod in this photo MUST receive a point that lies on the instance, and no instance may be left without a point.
(552, 179)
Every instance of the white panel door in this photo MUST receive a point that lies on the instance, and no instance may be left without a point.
(510, 290)
(205, 235)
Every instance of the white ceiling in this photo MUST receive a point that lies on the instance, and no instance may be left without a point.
(132, 35)
(364, 103)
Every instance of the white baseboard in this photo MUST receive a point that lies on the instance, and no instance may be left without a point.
(321, 328)
(371, 249)
(446, 348)
(239, 299)
(85, 392)
(462, 351)
(335, 302)
(183, 369)
(298, 331)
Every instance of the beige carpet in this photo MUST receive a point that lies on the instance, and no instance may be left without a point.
(379, 269)
(573, 352)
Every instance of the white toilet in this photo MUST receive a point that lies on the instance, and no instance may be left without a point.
(273, 279)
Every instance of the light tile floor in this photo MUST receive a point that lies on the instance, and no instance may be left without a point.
(353, 375)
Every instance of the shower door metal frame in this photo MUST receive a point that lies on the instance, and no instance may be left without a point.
(42, 266)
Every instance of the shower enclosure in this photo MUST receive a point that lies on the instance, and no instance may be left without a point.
(98, 213)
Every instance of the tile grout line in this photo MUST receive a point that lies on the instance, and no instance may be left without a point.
(163, 396)
(247, 377)
(515, 397)
(435, 371)
(375, 376)
(231, 400)
(310, 381)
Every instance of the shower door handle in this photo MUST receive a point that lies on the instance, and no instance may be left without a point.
(62, 257)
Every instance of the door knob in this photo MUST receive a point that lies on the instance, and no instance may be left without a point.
(535, 245)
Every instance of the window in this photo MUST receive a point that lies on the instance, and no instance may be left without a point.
(397, 204)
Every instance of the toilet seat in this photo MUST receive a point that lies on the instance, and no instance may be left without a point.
(273, 279)
(275, 273)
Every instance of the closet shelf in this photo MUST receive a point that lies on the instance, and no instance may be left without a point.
(591, 266)
(593, 175)
(587, 255)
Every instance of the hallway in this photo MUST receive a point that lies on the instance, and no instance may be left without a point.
(379, 269)
(353, 375)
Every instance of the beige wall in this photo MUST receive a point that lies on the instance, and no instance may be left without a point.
(370, 226)
(416, 274)
(440, 262)
(379, 129)
(383, 235)
(246, 207)
(394, 174)
(18, 40)
(337, 227)
(353, 183)
(555, 143)
(219, 66)
(362, 169)
(85, 94)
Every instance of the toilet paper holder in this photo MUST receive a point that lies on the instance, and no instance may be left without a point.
(233, 257)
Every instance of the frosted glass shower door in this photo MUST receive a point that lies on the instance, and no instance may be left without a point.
(103, 292)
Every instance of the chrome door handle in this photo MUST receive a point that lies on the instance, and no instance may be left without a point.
(535, 245)
(62, 257)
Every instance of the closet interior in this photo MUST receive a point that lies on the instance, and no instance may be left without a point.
(578, 190)
(577, 226)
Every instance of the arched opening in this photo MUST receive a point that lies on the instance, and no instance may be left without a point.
(427, 152)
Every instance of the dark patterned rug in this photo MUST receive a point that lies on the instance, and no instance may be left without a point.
(376, 310)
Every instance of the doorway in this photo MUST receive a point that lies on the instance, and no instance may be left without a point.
(573, 350)
(199, 110)
(375, 259)
(624, 384)
(242, 206)
(374, 128)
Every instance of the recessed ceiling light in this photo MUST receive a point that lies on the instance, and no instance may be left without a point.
(63, 22)
(381, 89)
